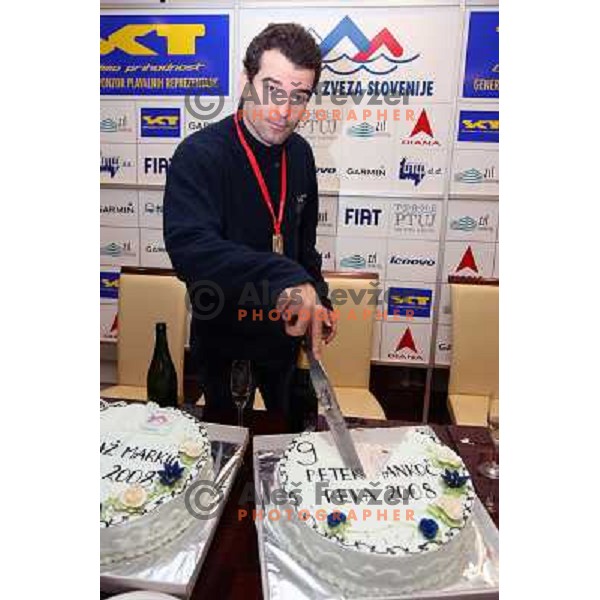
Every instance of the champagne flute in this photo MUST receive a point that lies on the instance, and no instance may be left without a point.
(241, 386)
(491, 468)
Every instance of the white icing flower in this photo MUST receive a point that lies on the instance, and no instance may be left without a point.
(191, 448)
(447, 456)
(134, 496)
(451, 505)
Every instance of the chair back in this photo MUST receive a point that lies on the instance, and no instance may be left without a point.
(475, 316)
(146, 297)
(347, 359)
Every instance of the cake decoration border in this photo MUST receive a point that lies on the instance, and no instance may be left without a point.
(194, 469)
(396, 550)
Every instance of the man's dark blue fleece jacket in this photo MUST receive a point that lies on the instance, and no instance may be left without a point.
(218, 229)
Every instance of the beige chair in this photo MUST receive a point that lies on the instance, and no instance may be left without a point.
(347, 359)
(474, 368)
(147, 296)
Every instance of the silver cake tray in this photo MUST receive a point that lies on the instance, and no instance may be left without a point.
(174, 568)
(284, 579)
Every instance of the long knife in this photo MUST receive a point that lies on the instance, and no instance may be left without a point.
(332, 412)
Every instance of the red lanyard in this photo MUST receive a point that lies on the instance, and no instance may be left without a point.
(261, 181)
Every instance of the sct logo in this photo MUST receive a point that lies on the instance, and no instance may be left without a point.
(479, 126)
(156, 165)
(109, 284)
(160, 122)
(410, 302)
(362, 217)
(176, 39)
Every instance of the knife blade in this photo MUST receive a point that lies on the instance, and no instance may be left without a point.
(332, 412)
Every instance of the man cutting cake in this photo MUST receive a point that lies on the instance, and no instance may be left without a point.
(240, 218)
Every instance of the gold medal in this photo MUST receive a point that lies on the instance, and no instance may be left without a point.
(277, 243)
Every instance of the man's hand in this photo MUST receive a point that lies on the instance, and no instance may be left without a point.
(302, 312)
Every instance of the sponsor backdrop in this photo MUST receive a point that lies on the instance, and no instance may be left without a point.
(405, 132)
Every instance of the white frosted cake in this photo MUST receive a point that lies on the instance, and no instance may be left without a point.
(148, 458)
(398, 547)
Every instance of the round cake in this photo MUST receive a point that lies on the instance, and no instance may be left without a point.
(149, 456)
(405, 527)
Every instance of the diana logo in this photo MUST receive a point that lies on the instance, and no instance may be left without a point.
(467, 262)
(410, 302)
(109, 285)
(156, 165)
(117, 250)
(356, 261)
(380, 55)
(416, 262)
(468, 224)
(479, 126)
(406, 349)
(114, 125)
(475, 176)
(422, 134)
(113, 164)
(161, 122)
(366, 130)
(362, 217)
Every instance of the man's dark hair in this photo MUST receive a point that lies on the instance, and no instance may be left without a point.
(292, 40)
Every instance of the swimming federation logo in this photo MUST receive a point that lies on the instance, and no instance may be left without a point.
(379, 55)
(366, 130)
(474, 176)
(356, 261)
(115, 250)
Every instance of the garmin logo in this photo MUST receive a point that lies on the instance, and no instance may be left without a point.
(366, 172)
(155, 247)
(420, 262)
(111, 209)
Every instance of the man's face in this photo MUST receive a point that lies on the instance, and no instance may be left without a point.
(281, 92)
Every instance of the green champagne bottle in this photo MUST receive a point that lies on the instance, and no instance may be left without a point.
(161, 382)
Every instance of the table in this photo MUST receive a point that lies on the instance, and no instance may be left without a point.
(232, 568)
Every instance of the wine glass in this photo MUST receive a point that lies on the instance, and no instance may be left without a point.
(491, 468)
(241, 386)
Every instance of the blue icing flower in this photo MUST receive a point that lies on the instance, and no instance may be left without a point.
(428, 528)
(171, 472)
(336, 518)
(454, 479)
